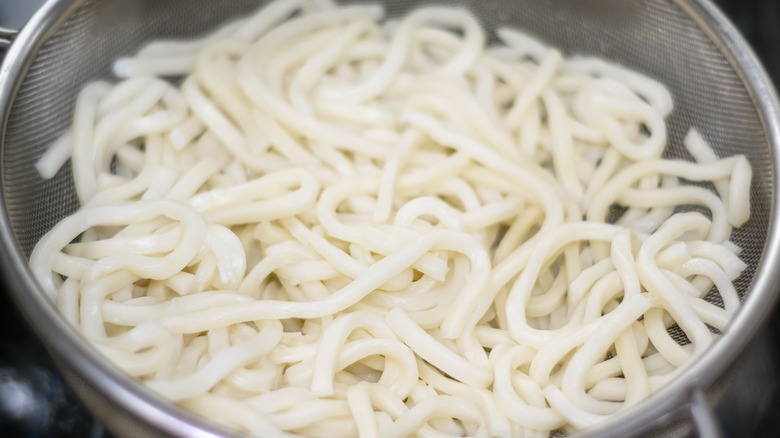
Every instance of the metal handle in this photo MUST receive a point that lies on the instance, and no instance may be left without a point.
(703, 419)
(6, 37)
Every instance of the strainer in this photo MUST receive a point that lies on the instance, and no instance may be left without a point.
(718, 87)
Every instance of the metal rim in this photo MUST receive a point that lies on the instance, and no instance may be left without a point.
(154, 410)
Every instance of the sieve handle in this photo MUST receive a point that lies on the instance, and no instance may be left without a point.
(6, 36)
(703, 418)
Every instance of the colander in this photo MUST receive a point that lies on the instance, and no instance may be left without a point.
(718, 87)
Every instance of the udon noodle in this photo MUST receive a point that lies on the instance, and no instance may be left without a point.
(337, 224)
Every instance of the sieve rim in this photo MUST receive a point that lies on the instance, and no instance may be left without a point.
(145, 405)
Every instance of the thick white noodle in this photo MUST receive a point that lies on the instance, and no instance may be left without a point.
(342, 225)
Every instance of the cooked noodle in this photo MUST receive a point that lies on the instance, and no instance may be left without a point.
(344, 225)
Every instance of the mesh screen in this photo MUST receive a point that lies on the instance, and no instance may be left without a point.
(652, 36)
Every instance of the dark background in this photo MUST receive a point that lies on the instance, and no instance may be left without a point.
(35, 403)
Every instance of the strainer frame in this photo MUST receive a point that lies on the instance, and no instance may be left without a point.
(686, 391)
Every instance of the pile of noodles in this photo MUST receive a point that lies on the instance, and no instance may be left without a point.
(344, 225)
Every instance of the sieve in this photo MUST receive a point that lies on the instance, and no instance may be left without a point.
(718, 86)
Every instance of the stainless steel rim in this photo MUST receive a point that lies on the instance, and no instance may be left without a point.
(141, 403)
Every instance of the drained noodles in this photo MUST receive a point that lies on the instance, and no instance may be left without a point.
(320, 221)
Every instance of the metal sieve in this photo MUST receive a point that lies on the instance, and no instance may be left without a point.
(717, 84)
